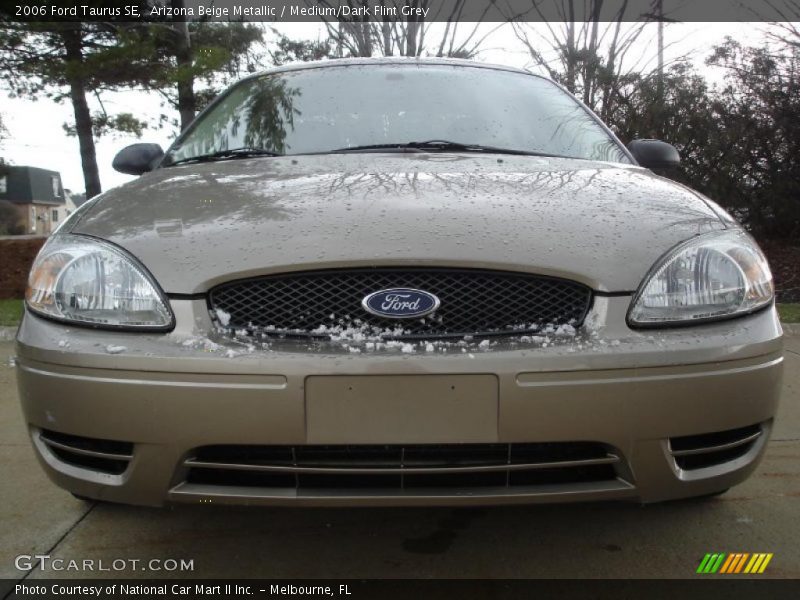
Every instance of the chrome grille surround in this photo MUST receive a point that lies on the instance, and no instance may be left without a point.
(474, 302)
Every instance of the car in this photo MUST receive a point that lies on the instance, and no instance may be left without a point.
(399, 282)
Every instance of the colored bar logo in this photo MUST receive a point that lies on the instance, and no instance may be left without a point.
(736, 562)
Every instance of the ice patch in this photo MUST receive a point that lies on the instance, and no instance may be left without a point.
(112, 349)
(223, 317)
(353, 336)
(565, 331)
(201, 343)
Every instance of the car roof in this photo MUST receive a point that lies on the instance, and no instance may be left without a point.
(390, 60)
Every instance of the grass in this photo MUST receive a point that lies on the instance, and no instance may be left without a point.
(790, 313)
(10, 312)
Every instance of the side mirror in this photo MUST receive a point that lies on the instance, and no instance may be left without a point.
(137, 158)
(654, 154)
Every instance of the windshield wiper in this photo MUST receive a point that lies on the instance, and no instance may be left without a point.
(244, 152)
(445, 146)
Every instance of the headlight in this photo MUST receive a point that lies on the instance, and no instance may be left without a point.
(84, 280)
(711, 276)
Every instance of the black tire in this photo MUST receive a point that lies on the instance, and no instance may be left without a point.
(83, 498)
(710, 496)
(703, 498)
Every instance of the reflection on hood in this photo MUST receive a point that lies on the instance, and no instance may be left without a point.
(197, 225)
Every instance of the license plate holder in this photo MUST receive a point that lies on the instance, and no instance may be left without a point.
(401, 409)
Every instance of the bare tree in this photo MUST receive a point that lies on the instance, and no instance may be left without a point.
(786, 30)
(592, 48)
(397, 35)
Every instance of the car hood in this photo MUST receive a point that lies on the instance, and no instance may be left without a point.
(197, 225)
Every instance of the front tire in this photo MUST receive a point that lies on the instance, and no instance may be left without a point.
(84, 498)
(710, 496)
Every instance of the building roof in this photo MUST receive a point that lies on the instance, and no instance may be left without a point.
(31, 185)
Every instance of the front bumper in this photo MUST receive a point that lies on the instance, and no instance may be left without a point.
(630, 393)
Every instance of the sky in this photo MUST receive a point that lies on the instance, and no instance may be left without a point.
(35, 134)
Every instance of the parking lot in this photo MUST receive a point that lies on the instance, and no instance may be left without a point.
(597, 540)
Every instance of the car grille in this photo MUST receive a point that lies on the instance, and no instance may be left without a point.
(104, 456)
(398, 467)
(473, 302)
(711, 449)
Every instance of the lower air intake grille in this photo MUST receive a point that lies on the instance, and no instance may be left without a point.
(396, 467)
(711, 449)
(104, 456)
(473, 302)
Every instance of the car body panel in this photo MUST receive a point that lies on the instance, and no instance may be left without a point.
(571, 218)
(170, 401)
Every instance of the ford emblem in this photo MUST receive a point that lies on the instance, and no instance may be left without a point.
(400, 303)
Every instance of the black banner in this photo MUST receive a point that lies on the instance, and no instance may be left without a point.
(451, 589)
(496, 11)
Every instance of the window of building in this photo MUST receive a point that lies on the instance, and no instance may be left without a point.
(3, 184)
(55, 215)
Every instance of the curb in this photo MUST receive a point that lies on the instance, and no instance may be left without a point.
(791, 328)
(7, 334)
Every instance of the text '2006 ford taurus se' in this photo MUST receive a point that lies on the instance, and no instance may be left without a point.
(398, 282)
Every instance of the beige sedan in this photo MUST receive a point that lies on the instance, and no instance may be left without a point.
(399, 282)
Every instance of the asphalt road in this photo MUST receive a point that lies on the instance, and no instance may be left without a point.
(597, 540)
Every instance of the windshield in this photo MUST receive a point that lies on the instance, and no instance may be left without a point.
(333, 108)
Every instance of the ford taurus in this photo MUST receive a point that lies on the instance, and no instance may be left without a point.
(399, 282)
